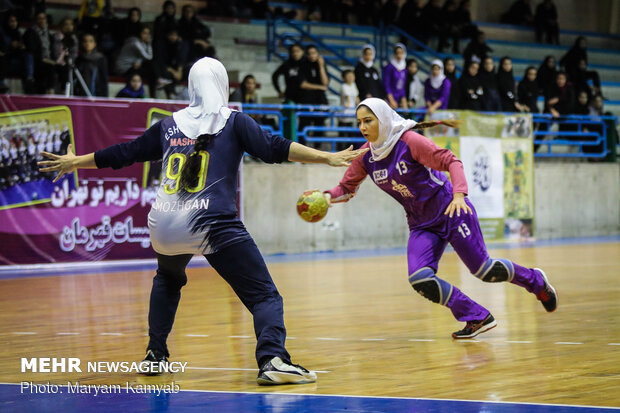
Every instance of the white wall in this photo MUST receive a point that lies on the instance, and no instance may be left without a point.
(572, 199)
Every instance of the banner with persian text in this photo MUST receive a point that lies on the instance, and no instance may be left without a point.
(497, 155)
(90, 215)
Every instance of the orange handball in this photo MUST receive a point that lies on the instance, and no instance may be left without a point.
(312, 206)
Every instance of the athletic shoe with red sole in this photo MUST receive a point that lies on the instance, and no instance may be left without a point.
(475, 327)
(547, 296)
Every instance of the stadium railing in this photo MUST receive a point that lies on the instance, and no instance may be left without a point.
(579, 136)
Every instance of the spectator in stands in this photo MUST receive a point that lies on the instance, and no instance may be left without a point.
(434, 18)
(581, 78)
(349, 95)
(93, 66)
(462, 22)
(367, 77)
(547, 74)
(395, 77)
(490, 100)
(560, 99)
(570, 60)
(65, 49)
(415, 87)
(436, 88)
(130, 26)
(136, 56)
(38, 41)
(313, 78)
(14, 58)
(170, 62)
(133, 89)
(582, 104)
(507, 87)
(449, 28)
(528, 91)
(597, 110)
(449, 69)
(470, 88)
(390, 12)
(90, 15)
(164, 23)
(195, 34)
(520, 13)
(477, 49)
(546, 22)
(411, 19)
(246, 93)
(291, 70)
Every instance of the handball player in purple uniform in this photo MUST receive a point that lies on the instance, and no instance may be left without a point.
(407, 166)
(195, 210)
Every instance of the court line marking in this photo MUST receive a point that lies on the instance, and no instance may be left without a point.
(24, 333)
(239, 336)
(567, 343)
(67, 334)
(613, 344)
(196, 335)
(373, 339)
(328, 338)
(421, 339)
(240, 369)
(519, 342)
(110, 334)
(381, 397)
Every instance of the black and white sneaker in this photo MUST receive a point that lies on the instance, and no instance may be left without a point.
(547, 296)
(154, 363)
(276, 371)
(475, 327)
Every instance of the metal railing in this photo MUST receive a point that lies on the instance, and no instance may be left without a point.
(580, 136)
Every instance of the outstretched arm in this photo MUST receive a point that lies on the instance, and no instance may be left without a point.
(301, 153)
(350, 182)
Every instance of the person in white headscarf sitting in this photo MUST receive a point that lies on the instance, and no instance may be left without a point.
(408, 167)
(395, 78)
(195, 211)
(437, 88)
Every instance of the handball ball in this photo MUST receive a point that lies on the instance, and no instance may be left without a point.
(312, 206)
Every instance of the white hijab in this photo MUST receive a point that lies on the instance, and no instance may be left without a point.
(374, 53)
(208, 110)
(400, 64)
(391, 127)
(437, 81)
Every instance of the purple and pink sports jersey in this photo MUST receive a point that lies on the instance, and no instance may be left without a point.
(411, 175)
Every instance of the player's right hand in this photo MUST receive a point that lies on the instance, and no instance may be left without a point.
(63, 164)
(344, 158)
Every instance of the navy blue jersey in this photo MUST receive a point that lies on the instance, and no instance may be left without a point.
(202, 219)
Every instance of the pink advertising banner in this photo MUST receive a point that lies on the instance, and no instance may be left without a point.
(88, 216)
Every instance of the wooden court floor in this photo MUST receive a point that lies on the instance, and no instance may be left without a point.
(355, 320)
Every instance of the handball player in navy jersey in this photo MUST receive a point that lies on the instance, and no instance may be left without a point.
(201, 147)
(407, 165)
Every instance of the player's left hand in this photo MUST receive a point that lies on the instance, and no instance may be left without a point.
(458, 203)
(63, 164)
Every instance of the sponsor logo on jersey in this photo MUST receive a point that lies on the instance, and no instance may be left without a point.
(380, 176)
(401, 189)
(182, 141)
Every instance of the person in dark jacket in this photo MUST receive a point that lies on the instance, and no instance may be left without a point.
(14, 58)
(520, 13)
(313, 78)
(195, 34)
(546, 22)
(490, 100)
(507, 87)
(570, 60)
(477, 50)
(130, 26)
(547, 73)
(133, 89)
(528, 91)
(93, 66)
(367, 77)
(38, 41)
(560, 100)
(470, 88)
(583, 76)
(291, 70)
(165, 22)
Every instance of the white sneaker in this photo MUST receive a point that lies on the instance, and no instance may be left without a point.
(276, 371)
